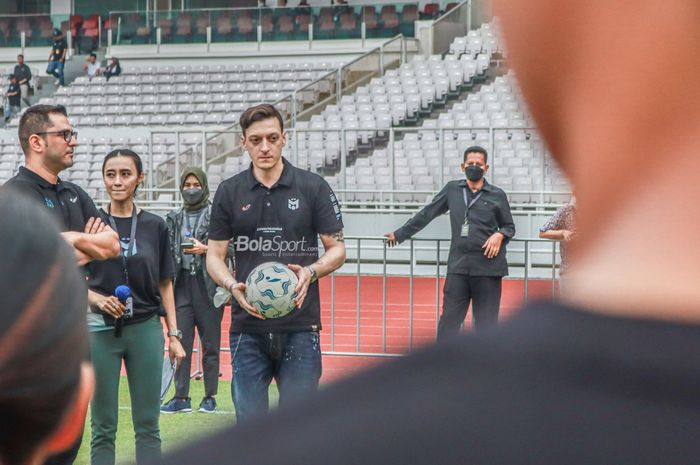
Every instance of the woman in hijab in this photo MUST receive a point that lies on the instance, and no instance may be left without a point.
(194, 291)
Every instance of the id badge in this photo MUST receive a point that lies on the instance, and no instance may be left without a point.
(129, 310)
(465, 230)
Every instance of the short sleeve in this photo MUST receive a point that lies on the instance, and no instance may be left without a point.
(167, 269)
(87, 205)
(220, 221)
(326, 216)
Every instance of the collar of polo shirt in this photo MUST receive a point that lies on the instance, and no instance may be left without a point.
(286, 179)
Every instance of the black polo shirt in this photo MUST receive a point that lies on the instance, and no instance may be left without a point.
(22, 72)
(277, 224)
(67, 202)
(489, 214)
(59, 46)
(14, 100)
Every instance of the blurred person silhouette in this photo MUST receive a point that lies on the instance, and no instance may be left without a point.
(45, 382)
(608, 375)
(562, 227)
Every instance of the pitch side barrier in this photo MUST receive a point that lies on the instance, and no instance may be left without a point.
(382, 303)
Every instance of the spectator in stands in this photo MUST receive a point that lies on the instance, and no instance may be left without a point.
(45, 381)
(481, 226)
(113, 68)
(24, 76)
(612, 375)
(57, 58)
(287, 349)
(48, 142)
(194, 291)
(13, 98)
(562, 227)
(92, 67)
(129, 331)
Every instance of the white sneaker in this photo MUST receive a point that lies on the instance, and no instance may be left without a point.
(57, 82)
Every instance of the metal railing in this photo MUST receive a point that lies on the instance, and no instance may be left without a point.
(261, 24)
(345, 333)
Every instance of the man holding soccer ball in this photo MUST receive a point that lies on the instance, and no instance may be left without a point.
(273, 212)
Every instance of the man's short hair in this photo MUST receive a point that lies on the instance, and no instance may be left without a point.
(259, 113)
(36, 119)
(476, 149)
(20, 55)
(93, 55)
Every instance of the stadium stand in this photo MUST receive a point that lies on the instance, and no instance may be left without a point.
(180, 95)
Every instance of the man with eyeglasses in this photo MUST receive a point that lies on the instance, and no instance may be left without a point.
(48, 142)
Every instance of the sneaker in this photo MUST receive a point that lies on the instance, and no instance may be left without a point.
(176, 405)
(208, 405)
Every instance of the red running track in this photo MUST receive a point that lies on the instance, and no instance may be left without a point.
(371, 339)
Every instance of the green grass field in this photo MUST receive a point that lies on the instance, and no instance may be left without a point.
(176, 430)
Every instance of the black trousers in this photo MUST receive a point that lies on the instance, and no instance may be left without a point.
(195, 310)
(484, 292)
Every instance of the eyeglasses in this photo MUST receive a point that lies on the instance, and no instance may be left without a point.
(67, 134)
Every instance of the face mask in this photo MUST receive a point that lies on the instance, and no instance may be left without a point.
(192, 196)
(474, 173)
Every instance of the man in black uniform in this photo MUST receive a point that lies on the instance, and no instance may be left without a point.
(273, 212)
(57, 58)
(24, 75)
(48, 142)
(481, 226)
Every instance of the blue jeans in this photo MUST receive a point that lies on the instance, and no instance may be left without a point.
(292, 359)
(56, 68)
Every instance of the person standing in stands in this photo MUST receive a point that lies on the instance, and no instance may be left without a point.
(13, 98)
(284, 209)
(57, 58)
(45, 380)
(48, 142)
(481, 225)
(194, 291)
(24, 75)
(125, 326)
(562, 227)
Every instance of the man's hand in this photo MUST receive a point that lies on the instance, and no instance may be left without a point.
(238, 293)
(304, 277)
(94, 226)
(198, 249)
(567, 235)
(492, 245)
(391, 239)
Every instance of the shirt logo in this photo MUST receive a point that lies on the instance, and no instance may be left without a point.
(49, 203)
(245, 208)
(73, 199)
(293, 204)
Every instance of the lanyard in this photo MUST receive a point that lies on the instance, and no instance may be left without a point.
(132, 238)
(191, 231)
(469, 204)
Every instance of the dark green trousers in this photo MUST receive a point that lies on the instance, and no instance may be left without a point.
(140, 347)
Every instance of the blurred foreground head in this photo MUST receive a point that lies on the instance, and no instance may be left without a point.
(44, 382)
(613, 89)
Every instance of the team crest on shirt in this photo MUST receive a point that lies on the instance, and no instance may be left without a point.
(48, 201)
(293, 204)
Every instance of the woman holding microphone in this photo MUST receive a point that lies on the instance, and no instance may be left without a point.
(125, 295)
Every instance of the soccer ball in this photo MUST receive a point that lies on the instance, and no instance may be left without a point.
(270, 289)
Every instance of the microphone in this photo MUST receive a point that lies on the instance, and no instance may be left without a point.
(123, 293)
